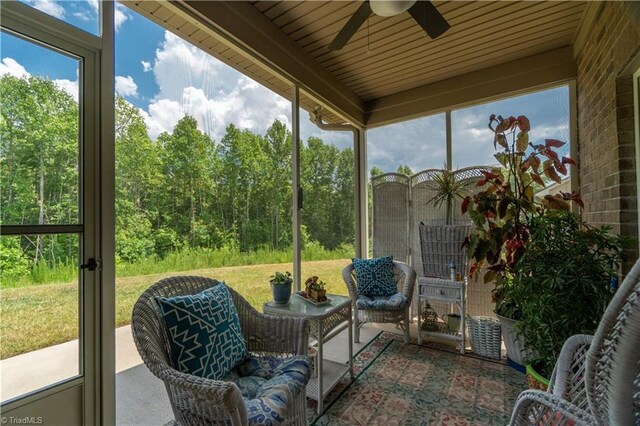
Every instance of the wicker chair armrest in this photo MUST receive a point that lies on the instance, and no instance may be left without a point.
(275, 334)
(567, 379)
(535, 407)
(409, 281)
(347, 276)
(195, 398)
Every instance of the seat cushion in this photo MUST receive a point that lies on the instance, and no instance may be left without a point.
(204, 332)
(270, 385)
(374, 277)
(395, 302)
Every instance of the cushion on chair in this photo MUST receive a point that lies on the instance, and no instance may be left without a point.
(204, 332)
(397, 301)
(270, 385)
(374, 277)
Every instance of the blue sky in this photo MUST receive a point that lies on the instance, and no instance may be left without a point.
(167, 78)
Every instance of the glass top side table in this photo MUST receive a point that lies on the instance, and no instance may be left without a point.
(326, 321)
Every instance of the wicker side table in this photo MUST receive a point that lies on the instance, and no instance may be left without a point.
(326, 321)
(448, 291)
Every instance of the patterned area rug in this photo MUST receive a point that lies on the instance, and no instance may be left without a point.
(398, 384)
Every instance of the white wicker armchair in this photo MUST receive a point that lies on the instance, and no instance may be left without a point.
(405, 278)
(199, 401)
(596, 380)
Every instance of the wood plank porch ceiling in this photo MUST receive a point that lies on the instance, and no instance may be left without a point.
(392, 55)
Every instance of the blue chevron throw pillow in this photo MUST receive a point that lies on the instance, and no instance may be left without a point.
(204, 332)
(374, 277)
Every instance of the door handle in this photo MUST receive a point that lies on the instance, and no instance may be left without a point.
(91, 265)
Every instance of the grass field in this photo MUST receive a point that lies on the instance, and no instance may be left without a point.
(36, 317)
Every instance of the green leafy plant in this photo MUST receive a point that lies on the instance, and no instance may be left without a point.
(313, 283)
(281, 278)
(502, 211)
(562, 282)
(447, 188)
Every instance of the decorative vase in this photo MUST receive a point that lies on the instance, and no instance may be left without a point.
(535, 379)
(514, 343)
(281, 293)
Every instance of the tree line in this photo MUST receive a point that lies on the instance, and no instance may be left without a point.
(180, 191)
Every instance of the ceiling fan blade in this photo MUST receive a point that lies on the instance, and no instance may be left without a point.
(352, 26)
(428, 17)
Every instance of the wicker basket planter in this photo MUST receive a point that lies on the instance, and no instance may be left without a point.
(486, 337)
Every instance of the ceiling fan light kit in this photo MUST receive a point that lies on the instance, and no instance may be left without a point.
(422, 11)
(390, 7)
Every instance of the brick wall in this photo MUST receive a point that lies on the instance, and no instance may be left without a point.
(605, 118)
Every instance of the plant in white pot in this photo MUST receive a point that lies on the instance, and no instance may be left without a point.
(503, 209)
(562, 283)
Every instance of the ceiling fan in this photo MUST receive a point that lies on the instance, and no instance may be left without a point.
(422, 11)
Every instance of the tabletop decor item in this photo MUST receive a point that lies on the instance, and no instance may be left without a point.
(315, 289)
(281, 287)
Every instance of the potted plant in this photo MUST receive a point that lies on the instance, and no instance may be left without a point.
(316, 289)
(503, 209)
(281, 287)
(446, 189)
(562, 283)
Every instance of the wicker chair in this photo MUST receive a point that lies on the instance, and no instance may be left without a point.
(405, 278)
(596, 380)
(200, 401)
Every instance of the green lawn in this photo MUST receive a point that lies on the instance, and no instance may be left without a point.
(35, 317)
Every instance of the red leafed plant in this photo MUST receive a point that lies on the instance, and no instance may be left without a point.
(503, 209)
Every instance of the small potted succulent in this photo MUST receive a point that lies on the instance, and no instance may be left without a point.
(315, 289)
(281, 287)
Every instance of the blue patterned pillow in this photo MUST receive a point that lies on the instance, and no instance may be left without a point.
(204, 332)
(374, 277)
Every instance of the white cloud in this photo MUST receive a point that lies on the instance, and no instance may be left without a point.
(49, 7)
(146, 66)
(71, 87)
(12, 67)
(192, 82)
(120, 16)
(125, 86)
(94, 5)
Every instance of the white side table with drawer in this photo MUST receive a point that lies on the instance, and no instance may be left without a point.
(448, 291)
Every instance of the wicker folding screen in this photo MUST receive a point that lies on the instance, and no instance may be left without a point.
(401, 202)
(391, 216)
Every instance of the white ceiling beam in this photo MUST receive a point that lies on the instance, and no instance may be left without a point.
(519, 76)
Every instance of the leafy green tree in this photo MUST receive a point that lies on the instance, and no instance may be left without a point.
(405, 170)
(39, 160)
(138, 183)
(277, 148)
(187, 154)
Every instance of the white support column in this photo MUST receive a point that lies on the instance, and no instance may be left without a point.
(449, 146)
(361, 181)
(296, 187)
